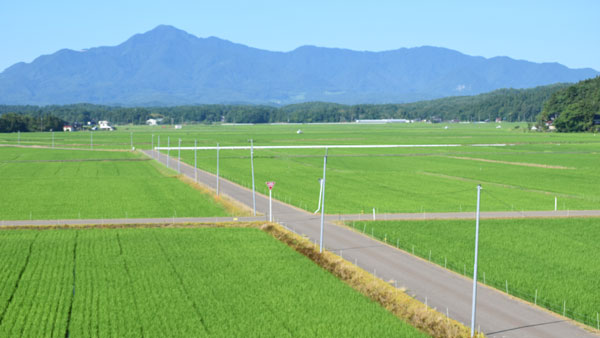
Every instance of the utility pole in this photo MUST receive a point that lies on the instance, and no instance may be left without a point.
(252, 166)
(475, 265)
(270, 185)
(179, 157)
(168, 149)
(217, 169)
(157, 152)
(195, 161)
(323, 202)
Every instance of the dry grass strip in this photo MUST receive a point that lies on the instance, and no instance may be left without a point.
(133, 226)
(396, 301)
(233, 207)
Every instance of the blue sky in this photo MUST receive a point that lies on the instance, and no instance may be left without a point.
(567, 32)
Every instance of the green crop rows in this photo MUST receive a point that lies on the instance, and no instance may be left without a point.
(524, 176)
(191, 282)
(556, 257)
(59, 184)
(209, 135)
(527, 174)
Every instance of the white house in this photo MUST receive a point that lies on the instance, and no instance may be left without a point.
(105, 125)
(67, 128)
(151, 122)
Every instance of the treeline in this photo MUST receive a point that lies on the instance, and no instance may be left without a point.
(574, 109)
(508, 104)
(11, 123)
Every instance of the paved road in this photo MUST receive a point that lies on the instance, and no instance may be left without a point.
(498, 315)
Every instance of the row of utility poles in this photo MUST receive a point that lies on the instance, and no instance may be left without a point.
(321, 207)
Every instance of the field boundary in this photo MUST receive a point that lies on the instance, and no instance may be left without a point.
(508, 186)
(329, 217)
(83, 160)
(337, 146)
(59, 148)
(522, 164)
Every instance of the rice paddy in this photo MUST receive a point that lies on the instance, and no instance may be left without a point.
(183, 282)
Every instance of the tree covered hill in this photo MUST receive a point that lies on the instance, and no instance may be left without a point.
(508, 104)
(575, 108)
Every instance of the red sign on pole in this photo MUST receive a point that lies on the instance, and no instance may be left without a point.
(270, 185)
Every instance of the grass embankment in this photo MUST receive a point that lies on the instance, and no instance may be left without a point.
(551, 257)
(396, 301)
(61, 184)
(176, 282)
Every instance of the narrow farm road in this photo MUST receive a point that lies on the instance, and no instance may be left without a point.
(498, 315)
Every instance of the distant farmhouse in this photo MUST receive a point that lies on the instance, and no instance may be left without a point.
(153, 122)
(105, 125)
(68, 128)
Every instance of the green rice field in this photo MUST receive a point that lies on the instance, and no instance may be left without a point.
(176, 282)
(285, 134)
(528, 173)
(556, 257)
(62, 184)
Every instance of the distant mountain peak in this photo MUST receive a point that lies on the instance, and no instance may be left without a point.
(169, 66)
(161, 34)
(166, 30)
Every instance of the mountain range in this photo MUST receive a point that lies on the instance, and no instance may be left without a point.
(167, 66)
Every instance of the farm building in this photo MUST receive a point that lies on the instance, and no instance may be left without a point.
(105, 125)
(68, 128)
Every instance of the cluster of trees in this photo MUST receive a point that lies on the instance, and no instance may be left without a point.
(575, 108)
(11, 123)
(508, 104)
